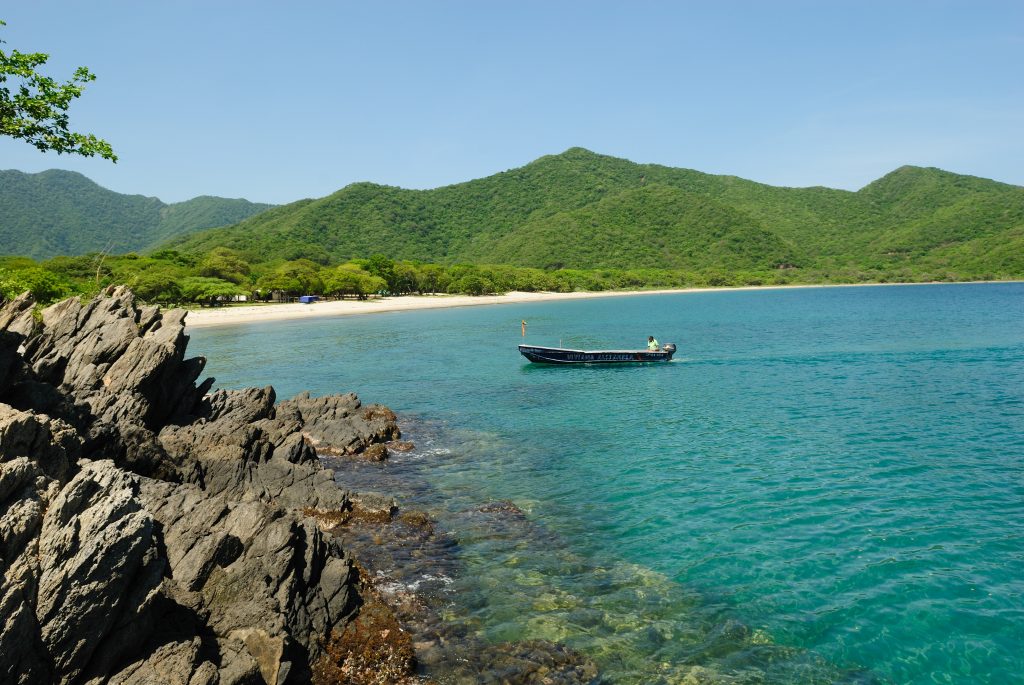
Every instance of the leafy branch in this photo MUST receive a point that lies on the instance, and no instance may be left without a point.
(34, 106)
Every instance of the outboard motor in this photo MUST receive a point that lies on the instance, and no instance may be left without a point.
(670, 348)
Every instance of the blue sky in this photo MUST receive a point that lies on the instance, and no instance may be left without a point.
(276, 101)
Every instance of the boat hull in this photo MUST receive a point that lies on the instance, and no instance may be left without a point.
(559, 355)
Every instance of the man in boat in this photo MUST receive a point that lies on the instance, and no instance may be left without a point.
(652, 344)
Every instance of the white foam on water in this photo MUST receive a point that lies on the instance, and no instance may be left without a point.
(393, 587)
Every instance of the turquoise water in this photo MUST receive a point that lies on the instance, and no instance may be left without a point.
(826, 485)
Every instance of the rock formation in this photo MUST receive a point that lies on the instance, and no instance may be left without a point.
(151, 531)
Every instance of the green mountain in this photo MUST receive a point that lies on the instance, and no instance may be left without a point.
(64, 213)
(579, 209)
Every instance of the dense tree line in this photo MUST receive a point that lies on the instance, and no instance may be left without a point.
(170, 277)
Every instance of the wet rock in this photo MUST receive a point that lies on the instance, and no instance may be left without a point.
(373, 648)
(723, 639)
(418, 519)
(371, 506)
(535, 661)
(401, 446)
(339, 424)
(376, 452)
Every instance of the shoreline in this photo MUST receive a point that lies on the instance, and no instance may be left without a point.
(292, 311)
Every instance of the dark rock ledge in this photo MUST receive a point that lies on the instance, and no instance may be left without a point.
(152, 532)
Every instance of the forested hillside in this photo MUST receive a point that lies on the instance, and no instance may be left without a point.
(64, 213)
(574, 221)
(588, 211)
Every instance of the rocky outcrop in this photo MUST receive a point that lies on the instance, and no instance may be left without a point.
(260, 577)
(247, 447)
(339, 424)
(100, 569)
(151, 531)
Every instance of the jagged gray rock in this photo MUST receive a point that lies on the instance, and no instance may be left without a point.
(244, 406)
(234, 457)
(126, 363)
(16, 315)
(173, 663)
(21, 518)
(37, 454)
(52, 444)
(150, 532)
(16, 322)
(338, 424)
(268, 580)
(100, 569)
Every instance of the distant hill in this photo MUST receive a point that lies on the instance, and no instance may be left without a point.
(579, 209)
(64, 213)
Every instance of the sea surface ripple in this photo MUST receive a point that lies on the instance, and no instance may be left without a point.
(827, 485)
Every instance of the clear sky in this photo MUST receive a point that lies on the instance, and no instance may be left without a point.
(276, 101)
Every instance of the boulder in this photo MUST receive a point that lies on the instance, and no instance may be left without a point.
(171, 663)
(21, 518)
(245, 406)
(336, 424)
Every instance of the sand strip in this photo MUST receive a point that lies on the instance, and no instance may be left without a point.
(260, 313)
(239, 314)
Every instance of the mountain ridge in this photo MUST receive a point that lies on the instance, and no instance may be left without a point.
(59, 212)
(556, 211)
(577, 209)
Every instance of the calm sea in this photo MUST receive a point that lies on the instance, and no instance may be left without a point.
(826, 485)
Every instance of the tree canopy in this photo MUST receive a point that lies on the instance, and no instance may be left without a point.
(34, 107)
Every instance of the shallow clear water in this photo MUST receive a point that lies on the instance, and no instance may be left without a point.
(826, 485)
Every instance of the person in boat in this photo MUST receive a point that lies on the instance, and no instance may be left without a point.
(652, 344)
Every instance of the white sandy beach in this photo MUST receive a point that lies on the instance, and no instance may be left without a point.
(247, 314)
(239, 314)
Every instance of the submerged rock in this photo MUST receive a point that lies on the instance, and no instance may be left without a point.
(401, 446)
